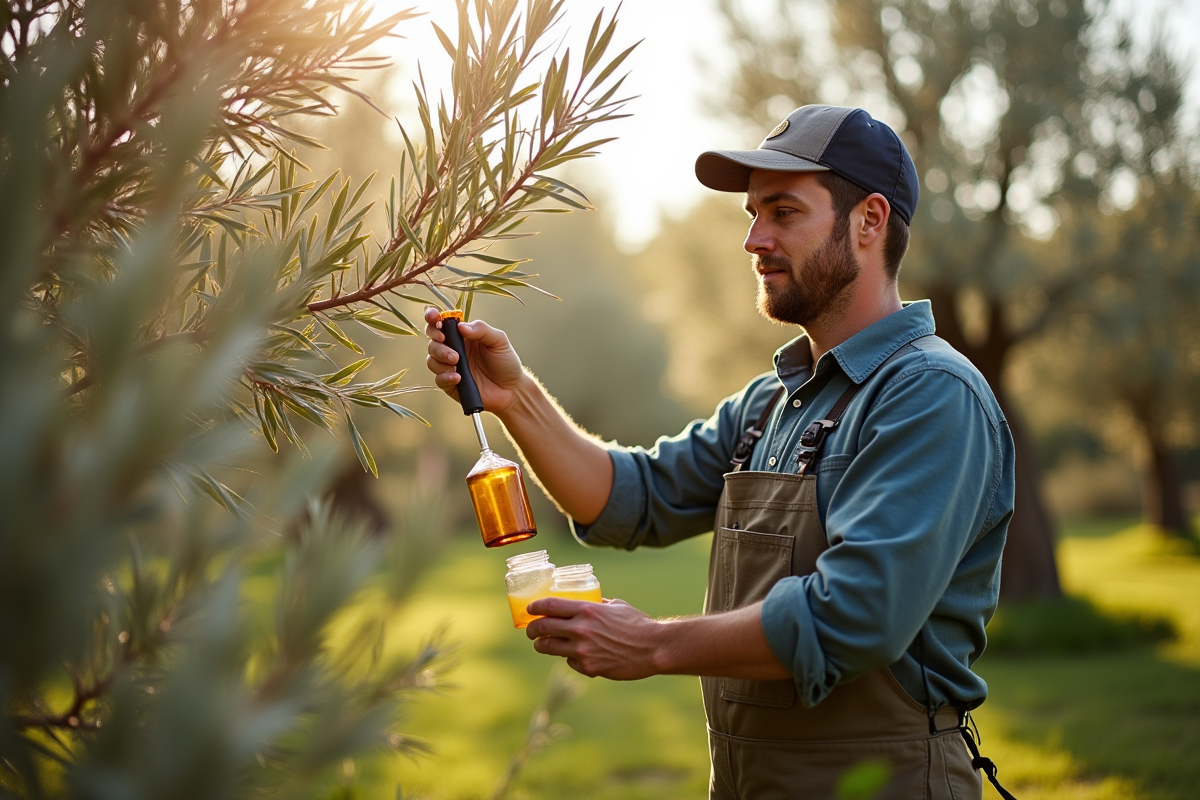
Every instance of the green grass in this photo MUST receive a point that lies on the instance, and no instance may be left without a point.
(1119, 724)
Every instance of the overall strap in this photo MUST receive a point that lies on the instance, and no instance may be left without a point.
(745, 445)
(814, 435)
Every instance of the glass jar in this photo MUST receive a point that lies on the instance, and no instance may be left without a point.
(528, 578)
(575, 582)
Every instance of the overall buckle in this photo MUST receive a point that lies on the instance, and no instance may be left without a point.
(810, 443)
(745, 446)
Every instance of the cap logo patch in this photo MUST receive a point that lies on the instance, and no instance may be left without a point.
(778, 129)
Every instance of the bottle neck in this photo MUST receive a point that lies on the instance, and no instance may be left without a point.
(483, 442)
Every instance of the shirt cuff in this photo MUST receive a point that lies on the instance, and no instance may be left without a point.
(618, 521)
(790, 631)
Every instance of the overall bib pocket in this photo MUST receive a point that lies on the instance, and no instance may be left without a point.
(761, 560)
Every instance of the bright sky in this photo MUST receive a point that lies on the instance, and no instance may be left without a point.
(647, 172)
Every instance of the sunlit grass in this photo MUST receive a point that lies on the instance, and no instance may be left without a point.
(1123, 724)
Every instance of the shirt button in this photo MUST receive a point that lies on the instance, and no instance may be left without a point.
(796, 403)
(772, 461)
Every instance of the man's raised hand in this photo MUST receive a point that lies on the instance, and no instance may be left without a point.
(494, 363)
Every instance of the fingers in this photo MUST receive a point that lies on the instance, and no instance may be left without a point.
(441, 358)
(554, 646)
(556, 607)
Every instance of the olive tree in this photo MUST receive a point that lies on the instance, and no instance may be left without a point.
(178, 298)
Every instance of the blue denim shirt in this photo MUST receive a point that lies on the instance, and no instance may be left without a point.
(914, 488)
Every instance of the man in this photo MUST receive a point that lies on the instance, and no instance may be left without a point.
(860, 493)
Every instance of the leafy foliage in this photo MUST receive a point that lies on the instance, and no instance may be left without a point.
(1131, 363)
(170, 287)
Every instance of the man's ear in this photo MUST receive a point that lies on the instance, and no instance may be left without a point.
(872, 219)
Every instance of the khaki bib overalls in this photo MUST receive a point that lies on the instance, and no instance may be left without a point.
(765, 745)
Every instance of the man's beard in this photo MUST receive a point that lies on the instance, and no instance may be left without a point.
(819, 289)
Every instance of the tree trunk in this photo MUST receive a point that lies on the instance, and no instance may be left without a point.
(1162, 481)
(352, 496)
(1029, 569)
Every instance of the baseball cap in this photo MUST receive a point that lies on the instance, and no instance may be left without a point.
(845, 141)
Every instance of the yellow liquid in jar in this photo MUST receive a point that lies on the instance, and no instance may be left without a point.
(517, 604)
(501, 506)
(588, 595)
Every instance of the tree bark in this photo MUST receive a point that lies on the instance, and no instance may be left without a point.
(1162, 480)
(1029, 568)
(352, 496)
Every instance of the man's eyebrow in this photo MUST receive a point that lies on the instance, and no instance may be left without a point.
(772, 199)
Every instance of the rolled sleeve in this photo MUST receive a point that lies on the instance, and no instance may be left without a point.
(618, 521)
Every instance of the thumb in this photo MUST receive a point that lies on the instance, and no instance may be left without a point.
(480, 331)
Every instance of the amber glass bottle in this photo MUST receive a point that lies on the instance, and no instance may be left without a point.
(501, 503)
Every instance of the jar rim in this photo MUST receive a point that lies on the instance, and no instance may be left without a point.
(537, 558)
(573, 571)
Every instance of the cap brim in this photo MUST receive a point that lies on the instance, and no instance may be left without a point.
(729, 170)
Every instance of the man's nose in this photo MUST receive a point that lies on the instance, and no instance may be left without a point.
(757, 240)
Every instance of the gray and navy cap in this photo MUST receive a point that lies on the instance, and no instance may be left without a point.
(846, 141)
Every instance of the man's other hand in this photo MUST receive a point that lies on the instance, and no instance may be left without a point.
(611, 639)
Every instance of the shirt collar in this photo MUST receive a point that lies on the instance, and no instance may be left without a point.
(859, 355)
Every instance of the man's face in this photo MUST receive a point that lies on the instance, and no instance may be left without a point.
(799, 251)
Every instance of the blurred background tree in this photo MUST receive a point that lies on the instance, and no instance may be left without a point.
(173, 296)
(1130, 363)
(1031, 123)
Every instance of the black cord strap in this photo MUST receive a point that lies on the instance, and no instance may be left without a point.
(965, 727)
(983, 763)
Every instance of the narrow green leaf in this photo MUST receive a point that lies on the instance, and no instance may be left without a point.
(494, 259)
(445, 40)
(337, 333)
(362, 187)
(412, 237)
(562, 185)
(406, 413)
(344, 375)
(612, 65)
(399, 315)
(467, 306)
(386, 327)
(319, 193)
(438, 293)
(268, 429)
(360, 447)
(335, 214)
(305, 410)
(208, 171)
